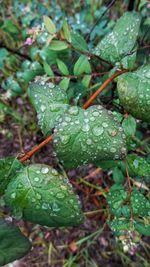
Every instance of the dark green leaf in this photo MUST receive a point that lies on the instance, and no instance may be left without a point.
(84, 137)
(118, 176)
(8, 168)
(134, 92)
(140, 204)
(121, 41)
(13, 244)
(43, 196)
(142, 228)
(50, 103)
(138, 166)
(120, 226)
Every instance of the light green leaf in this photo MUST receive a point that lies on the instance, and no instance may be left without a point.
(138, 166)
(129, 126)
(122, 40)
(58, 45)
(44, 196)
(66, 30)
(62, 67)
(84, 137)
(64, 84)
(13, 244)
(134, 92)
(50, 26)
(78, 42)
(48, 69)
(86, 80)
(50, 102)
(8, 168)
(82, 65)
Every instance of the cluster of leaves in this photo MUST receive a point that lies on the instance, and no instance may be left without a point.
(39, 193)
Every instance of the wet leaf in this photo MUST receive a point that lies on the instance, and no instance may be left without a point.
(120, 226)
(8, 168)
(138, 166)
(142, 228)
(13, 244)
(134, 92)
(121, 41)
(41, 195)
(83, 137)
(129, 126)
(140, 204)
(50, 102)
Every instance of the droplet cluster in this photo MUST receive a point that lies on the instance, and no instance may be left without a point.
(41, 195)
(88, 136)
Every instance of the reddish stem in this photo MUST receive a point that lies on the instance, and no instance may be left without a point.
(85, 106)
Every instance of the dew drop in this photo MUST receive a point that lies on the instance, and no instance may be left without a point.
(44, 170)
(13, 195)
(97, 131)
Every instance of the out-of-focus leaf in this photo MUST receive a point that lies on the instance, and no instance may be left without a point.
(50, 26)
(82, 65)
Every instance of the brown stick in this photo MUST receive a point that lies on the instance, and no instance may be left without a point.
(90, 100)
(85, 106)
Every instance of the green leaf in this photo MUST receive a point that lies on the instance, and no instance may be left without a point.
(62, 67)
(118, 176)
(134, 92)
(58, 45)
(66, 31)
(86, 80)
(89, 136)
(64, 84)
(122, 40)
(82, 65)
(50, 26)
(48, 69)
(140, 204)
(50, 102)
(142, 228)
(78, 42)
(116, 198)
(120, 226)
(138, 166)
(128, 62)
(44, 196)
(13, 244)
(8, 168)
(129, 126)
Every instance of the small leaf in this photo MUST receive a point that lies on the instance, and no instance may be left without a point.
(122, 40)
(66, 31)
(13, 244)
(138, 166)
(50, 26)
(44, 196)
(48, 69)
(129, 126)
(50, 102)
(64, 84)
(58, 45)
(120, 226)
(140, 204)
(62, 67)
(8, 168)
(82, 65)
(92, 135)
(78, 42)
(86, 80)
(142, 228)
(118, 176)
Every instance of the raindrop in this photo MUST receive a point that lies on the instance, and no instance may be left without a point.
(44, 170)
(97, 131)
(13, 195)
(36, 179)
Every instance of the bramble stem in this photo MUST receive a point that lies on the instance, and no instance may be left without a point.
(85, 106)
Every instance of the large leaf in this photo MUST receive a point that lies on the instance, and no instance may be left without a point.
(41, 195)
(13, 244)
(138, 166)
(8, 168)
(134, 92)
(84, 137)
(50, 103)
(121, 41)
